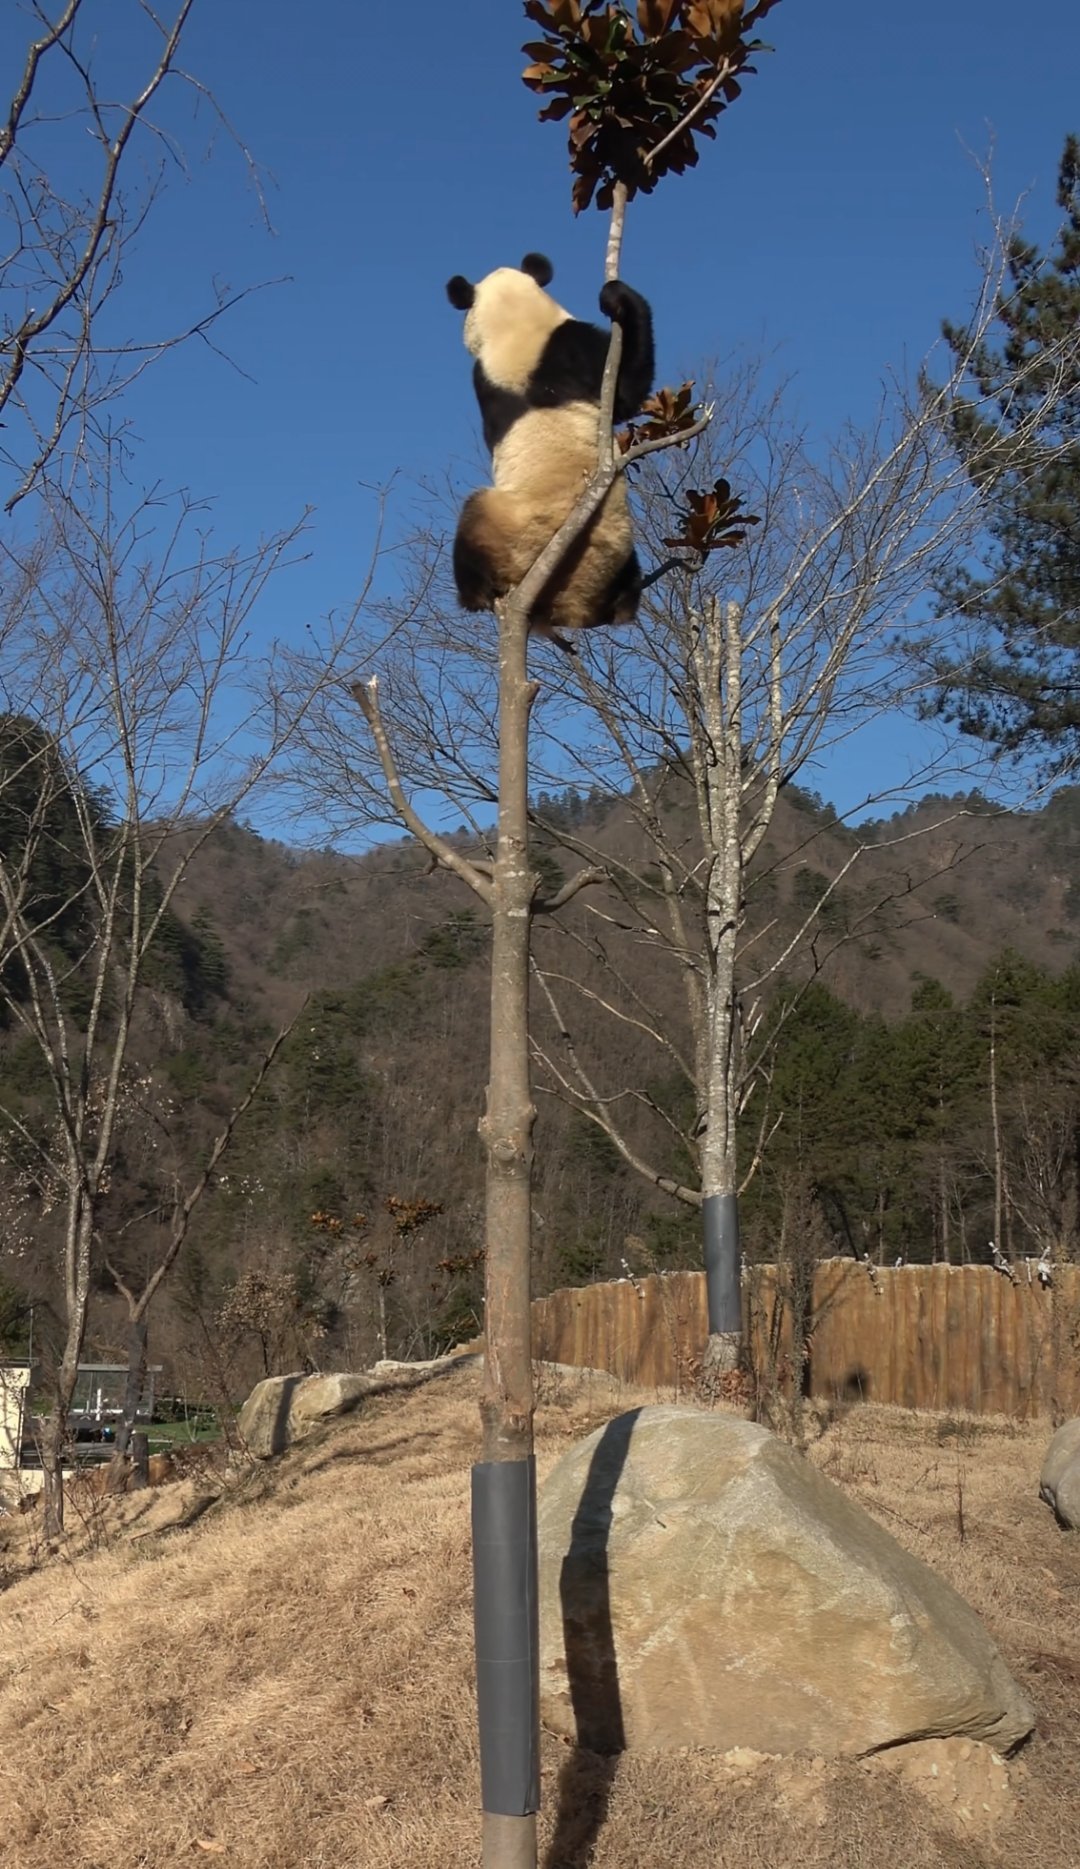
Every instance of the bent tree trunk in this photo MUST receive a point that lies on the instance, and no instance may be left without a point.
(504, 1481)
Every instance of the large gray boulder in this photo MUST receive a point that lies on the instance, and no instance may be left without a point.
(703, 1585)
(284, 1409)
(1059, 1482)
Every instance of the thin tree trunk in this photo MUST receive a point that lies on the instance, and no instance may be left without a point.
(53, 1438)
(77, 1281)
(504, 1482)
(720, 1204)
(996, 1127)
(718, 657)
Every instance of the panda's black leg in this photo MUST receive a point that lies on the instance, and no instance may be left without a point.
(620, 600)
(474, 572)
(472, 577)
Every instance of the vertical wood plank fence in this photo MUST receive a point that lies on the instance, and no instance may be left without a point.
(933, 1337)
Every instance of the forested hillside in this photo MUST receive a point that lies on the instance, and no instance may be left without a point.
(346, 1216)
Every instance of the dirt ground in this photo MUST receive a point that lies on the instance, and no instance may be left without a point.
(281, 1679)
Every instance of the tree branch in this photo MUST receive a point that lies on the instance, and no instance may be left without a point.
(591, 1105)
(35, 324)
(34, 57)
(693, 113)
(547, 905)
(366, 696)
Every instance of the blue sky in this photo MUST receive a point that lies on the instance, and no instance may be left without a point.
(834, 220)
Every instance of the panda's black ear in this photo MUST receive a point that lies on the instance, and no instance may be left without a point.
(460, 292)
(538, 267)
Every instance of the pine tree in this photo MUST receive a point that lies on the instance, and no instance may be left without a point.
(1020, 688)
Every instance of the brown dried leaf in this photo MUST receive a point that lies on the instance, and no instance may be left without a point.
(556, 13)
(582, 192)
(708, 19)
(712, 521)
(595, 29)
(654, 16)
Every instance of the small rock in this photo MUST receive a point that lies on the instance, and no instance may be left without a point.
(966, 1781)
(389, 1366)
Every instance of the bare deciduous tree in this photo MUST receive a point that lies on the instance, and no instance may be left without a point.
(748, 667)
(185, 1199)
(136, 716)
(83, 161)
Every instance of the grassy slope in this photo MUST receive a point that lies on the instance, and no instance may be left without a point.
(286, 1685)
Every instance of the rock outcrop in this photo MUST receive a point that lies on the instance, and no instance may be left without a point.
(703, 1585)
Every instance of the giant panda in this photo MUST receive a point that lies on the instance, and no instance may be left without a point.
(537, 377)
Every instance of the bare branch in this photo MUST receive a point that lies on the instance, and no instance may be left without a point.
(691, 116)
(366, 696)
(20, 341)
(34, 57)
(585, 879)
(592, 1106)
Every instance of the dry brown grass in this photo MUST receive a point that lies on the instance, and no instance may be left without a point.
(286, 1684)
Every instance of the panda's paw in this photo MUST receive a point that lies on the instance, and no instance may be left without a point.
(615, 299)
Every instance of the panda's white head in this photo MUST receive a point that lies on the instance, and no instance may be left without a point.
(508, 318)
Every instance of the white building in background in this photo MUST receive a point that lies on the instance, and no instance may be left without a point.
(14, 1395)
(96, 1404)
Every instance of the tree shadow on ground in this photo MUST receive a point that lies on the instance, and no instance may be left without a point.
(585, 1783)
(592, 1669)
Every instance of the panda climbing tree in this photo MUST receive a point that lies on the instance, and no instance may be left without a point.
(539, 379)
(549, 548)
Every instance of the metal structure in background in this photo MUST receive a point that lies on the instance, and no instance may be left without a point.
(97, 1402)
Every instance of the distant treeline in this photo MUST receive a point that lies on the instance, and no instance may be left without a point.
(920, 1137)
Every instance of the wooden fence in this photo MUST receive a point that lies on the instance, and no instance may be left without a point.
(935, 1337)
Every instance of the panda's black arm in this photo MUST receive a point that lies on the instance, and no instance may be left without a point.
(571, 366)
(626, 307)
